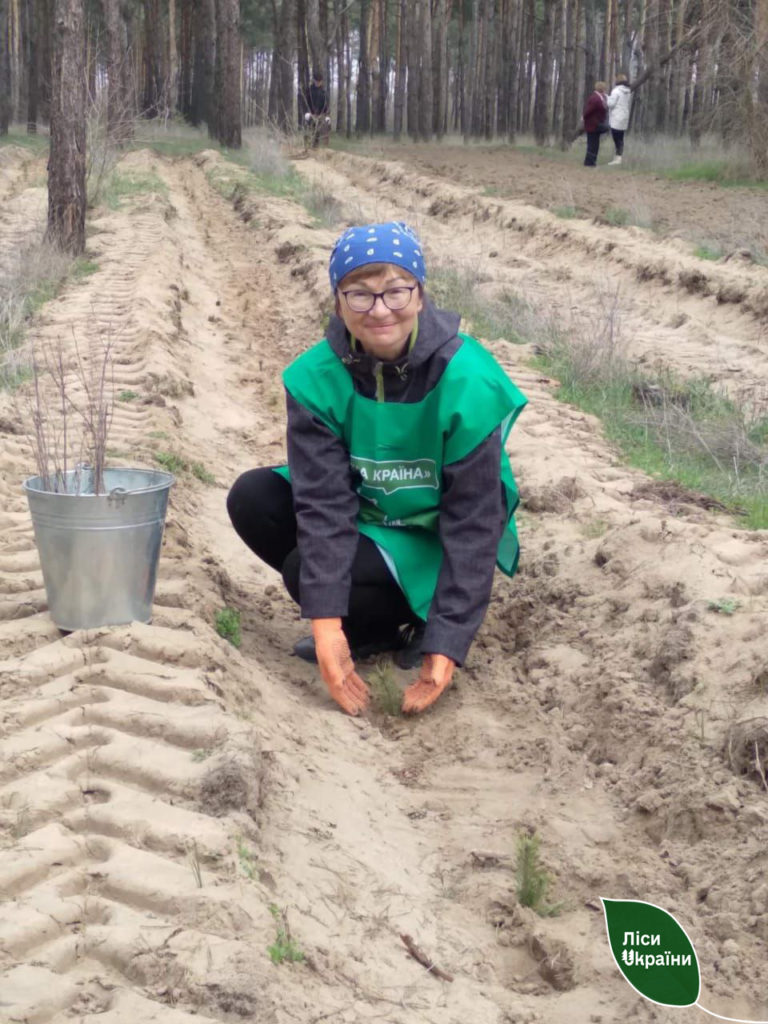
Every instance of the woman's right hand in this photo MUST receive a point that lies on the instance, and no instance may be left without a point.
(337, 668)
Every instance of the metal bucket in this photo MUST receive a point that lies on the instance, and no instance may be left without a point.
(99, 552)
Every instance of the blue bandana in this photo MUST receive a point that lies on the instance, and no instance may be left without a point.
(393, 243)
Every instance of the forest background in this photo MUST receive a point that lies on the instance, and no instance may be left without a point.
(481, 68)
(423, 68)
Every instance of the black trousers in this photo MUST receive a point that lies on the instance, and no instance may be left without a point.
(260, 505)
(618, 140)
(593, 148)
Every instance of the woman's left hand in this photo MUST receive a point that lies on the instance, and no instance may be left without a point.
(436, 674)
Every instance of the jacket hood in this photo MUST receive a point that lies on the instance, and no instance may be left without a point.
(437, 327)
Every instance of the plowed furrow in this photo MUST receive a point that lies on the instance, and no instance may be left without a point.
(124, 784)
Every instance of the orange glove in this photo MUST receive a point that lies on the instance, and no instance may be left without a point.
(336, 666)
(436, 673)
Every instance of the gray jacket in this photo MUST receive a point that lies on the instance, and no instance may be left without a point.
(472, 510)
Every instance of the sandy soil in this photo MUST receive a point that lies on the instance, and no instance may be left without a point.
(161, 790)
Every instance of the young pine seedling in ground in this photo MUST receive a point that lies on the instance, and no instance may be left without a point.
(386, 693)
(228, 625)
(283, 948)
(725, 606)
(533, 882)
(247, 860)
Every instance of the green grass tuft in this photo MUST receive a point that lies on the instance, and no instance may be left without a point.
(201, 473)
(171, 462)
(121, 187)
(708, 252)
(283, 948)
(567, 212)
(227, 623)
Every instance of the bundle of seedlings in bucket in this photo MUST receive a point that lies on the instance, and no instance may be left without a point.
(98, 530)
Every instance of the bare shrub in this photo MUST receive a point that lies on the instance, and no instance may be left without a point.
(71, 406)
(322, 203)
(594, 354)
(101, 152)
(264, 152)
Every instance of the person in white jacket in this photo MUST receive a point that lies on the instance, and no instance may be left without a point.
(619, 104)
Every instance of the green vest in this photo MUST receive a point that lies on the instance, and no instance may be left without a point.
(398, 450)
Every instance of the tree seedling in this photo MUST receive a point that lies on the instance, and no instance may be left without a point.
(247, 860)
(283, 948)
(725, 606)
(533, 882)
(385, 690)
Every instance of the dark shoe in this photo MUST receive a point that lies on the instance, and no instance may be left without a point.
(305, 648)
(409, 654)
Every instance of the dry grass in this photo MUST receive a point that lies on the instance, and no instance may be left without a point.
(29, 276)
(673, 428)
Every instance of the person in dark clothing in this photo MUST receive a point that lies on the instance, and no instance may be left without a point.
(318, 98)
(317, 118)
(595, 119)
(398, 497)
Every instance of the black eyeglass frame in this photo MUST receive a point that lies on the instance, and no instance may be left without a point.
(380, 295)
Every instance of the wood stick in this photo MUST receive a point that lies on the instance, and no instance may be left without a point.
(423, 959)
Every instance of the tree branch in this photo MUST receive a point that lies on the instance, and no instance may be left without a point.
(652, 68)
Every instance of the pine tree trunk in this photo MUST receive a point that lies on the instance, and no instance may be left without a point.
(347, 71)
(440, 56)
(66, 163)
(341, 104)
(119, 115)
(185, 58)
(363, 111)
(281, 91)
(401, 69)
(426, 85)
(570, 90)
(202, 79)
(14, 50)
(470, 84)
(229, 121)
(302, 61)
(316, 39)
(382, 91)
(590, 52)
(5, 71)
(761, 41)
(544, 78)
(414, 71)
(172, 83)
(33, 71)
(489, 77)
(154, 76)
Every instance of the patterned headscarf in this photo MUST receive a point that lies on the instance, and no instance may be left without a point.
(393, 242)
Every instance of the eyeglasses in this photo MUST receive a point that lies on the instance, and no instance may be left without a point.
(393, 298)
